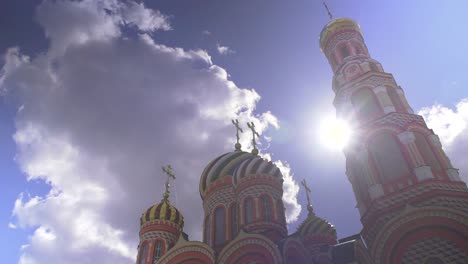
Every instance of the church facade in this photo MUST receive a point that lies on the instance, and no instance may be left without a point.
(412, 202)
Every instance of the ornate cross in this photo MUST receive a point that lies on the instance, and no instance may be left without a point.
(254, 133)
(307, 189)
(170, 174)
(328, 10)
(238, 128)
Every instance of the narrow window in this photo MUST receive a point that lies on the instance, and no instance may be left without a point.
(358, 50)
(143, 253)
(344, 51)
(395, 98)
(157, 251)
(266, 208)
(426, 151)
(365, 104)
(280, 209)
(233, 220)
(388, 157)
(248, 211)
(207, 230)
(219, 225)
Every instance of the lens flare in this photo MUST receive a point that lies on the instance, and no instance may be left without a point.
(334, 133)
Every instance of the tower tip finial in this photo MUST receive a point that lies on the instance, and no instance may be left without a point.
(237, 146)
(328, 10)
(251, 125)
(170, 174)
(310, 209)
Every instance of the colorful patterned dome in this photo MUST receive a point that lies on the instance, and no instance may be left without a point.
(315, 225)
(222, 166)
(238, 164)
(163, 211)
(256, 165)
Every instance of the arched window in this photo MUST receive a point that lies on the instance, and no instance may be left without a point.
(373, 67)
(344, 51)
(280, 210)
(233, 220)
(266, 208)
(388, 157)
(355, 168)
(248, 211)
(219, 225)
(426, 151)
(358, 49)
(395, 98)
(365, 104)
(207, 230)
(143, 253)
(157, 251)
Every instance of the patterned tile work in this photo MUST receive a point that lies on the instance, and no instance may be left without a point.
(435, 247)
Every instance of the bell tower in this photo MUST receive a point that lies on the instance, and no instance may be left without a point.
(413, 205)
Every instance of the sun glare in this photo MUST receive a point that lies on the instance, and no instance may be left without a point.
(334, 133)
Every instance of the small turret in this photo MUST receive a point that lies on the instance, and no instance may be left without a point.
(160, 227)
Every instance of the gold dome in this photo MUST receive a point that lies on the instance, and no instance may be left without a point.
(163, 211)
(315, 225)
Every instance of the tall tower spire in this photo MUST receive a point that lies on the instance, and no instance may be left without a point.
(407, 191)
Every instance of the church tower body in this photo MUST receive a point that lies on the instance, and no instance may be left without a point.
(413, 205)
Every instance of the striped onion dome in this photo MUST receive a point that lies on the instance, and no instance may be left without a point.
(220, 167)
(163, 211)
(256, 165)
(315, 225)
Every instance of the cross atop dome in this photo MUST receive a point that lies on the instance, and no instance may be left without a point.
(238, 128)
(170, 174)
(328, 10)
(307, 189)
(251, 125)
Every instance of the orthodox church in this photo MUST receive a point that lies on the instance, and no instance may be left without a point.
(412, 202)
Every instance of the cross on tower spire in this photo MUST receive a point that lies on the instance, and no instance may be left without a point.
(307, 189)
(328, 10)
(238, 128)
(251, 125)
(170, 174)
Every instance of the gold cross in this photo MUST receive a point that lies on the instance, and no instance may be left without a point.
(238, 128)
(170, 174)
(251, 125)
(307, 189)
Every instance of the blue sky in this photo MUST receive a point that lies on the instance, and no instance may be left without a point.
(272, 49)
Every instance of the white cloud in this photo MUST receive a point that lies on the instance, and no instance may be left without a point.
(290, 189)
(451, 125)
(224, 50)
(100, 113)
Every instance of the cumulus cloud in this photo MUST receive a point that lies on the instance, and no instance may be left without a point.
(99, 113)
(224, 50)
(451, 125)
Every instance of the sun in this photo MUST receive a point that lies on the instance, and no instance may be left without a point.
(334, 134)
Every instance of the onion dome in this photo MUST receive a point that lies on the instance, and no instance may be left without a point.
(336, 25)
(163, 211)
(221, 167)
(315, 225)
(256, 165)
